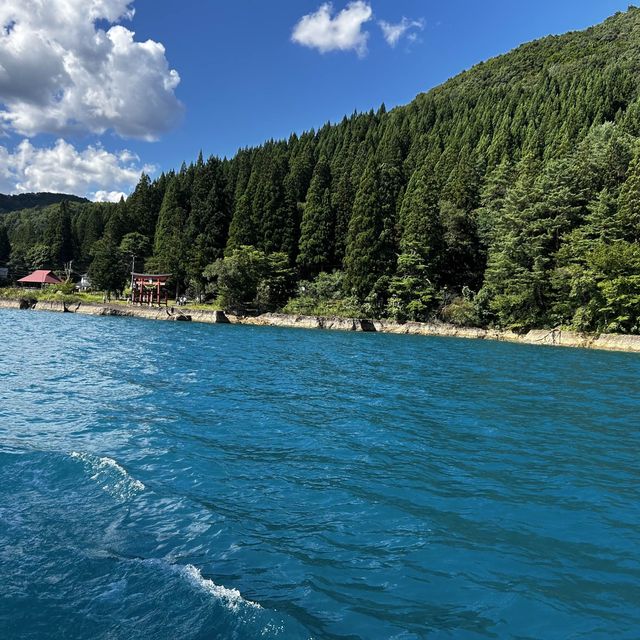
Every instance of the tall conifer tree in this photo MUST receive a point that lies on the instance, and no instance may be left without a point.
(169, 243)
(363, 264)
(317, 237)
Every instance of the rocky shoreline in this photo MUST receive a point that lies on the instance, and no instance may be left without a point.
(555, 337)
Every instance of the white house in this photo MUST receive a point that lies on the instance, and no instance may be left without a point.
(84, 284)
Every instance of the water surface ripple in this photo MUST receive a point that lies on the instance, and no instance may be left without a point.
(165, 481)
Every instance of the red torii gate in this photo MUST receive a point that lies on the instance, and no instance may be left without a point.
(148, 288)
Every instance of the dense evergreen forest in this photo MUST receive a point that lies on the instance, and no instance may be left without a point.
(509, 196)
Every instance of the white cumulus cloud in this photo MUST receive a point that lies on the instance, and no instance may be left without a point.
(93, 172)
(343, 31)
(109, 196)
(61, 72)
(393, 33)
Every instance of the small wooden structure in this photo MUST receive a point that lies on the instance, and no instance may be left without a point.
(149, 288)
(40, 278)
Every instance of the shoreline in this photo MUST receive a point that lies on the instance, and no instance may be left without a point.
(545, 337)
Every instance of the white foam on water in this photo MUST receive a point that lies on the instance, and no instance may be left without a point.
(111, 476)
(231, 598)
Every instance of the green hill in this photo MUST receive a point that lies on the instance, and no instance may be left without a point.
(34, 200)
(508, 196)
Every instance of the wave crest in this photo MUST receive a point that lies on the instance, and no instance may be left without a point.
(231, 598)
(111, 476)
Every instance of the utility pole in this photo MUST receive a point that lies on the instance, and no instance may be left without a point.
(133, 269)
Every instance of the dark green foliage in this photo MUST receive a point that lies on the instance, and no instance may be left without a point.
(58, 236)
(317, 237)
(342, 204)
(88, 228)
(208, 223)
(5, 245)
(143, 208)
(420, 224)
(38, 257)
(628, 216)
(118, 223)
(108, 270)
(242, 231)
(169, 248)
(509, 195)
(364, 257)
(34, 200)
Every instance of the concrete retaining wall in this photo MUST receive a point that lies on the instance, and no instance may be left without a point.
(557, 338)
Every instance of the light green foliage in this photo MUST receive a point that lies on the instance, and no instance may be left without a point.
(135, 245)
(462, 310)
(605, 290)
(412, 294)
(249, 280)
(323, 296)
(38, 257)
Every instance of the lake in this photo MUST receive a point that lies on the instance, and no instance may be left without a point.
(174, 480)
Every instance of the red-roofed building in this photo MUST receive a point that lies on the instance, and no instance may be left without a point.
(41, 277)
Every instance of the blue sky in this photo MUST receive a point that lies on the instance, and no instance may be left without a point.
(242, 77)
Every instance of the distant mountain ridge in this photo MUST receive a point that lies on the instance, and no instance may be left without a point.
(9, 203)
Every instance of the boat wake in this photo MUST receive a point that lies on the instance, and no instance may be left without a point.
(231, 599)
(109, 475)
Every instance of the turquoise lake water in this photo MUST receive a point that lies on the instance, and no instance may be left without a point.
(178, 481)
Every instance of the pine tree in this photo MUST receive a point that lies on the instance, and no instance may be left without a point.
(518, 271)
(108, 270)
(342, 204)
(169, 245)
(118, 223)
(141, 207)
(270, 205)
(242, 232)
(208, 224)
(317, 237)
(628, 217)
(59, 236)
(363, 265)
(296, 186)
(420, 223)
(92, 232)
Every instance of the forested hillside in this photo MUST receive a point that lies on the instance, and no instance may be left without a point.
(508, 196)
(33, 200)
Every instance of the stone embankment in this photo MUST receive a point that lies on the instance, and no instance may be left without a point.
(555, 337)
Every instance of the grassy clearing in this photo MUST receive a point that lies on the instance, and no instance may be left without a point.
(52, 294)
